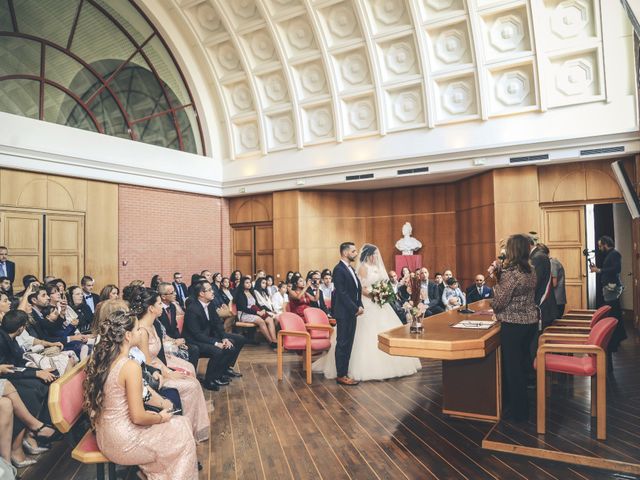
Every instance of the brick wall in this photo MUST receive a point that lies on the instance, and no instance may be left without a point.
(162, 231)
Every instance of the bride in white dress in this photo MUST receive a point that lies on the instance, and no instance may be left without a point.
(367, 361)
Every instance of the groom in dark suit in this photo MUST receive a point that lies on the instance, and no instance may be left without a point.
(347, 307)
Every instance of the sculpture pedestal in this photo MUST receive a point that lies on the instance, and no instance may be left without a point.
(411, 261)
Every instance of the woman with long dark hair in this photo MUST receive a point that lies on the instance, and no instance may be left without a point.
(236, 279)
(76, 303)
(515, 308)
(161, 444)
(250, 311)
(147, 305)
(299, 297)
(109, 292)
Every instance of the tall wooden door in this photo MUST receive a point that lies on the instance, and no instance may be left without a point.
(65, 246)
(253, 248)
(21, 233)
(243, 249)
(264, 248)
(565, 235)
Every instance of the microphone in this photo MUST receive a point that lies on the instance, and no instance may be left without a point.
(586, 252)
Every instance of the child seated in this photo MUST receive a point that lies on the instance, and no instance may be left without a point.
(452, 296)
(58, 330)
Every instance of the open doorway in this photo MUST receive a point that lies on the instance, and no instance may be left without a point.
(613, 220)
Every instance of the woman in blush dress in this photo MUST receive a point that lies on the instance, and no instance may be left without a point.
(147, 305)
(161, 444)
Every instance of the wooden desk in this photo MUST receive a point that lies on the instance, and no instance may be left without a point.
(470, 360)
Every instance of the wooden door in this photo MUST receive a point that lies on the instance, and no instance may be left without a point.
(264, 248)
(565, 235)
(243, 249)
(65, 247)
(21, 233)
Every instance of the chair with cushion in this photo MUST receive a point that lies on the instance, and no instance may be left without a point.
(564, 325)
(316, 316)
(180, 321)
(551, 357)
(248, 329)
(295, 336)
(66, 396)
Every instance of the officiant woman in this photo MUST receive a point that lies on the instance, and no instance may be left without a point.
(514, 307)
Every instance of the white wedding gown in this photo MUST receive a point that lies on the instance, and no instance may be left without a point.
(367, 361)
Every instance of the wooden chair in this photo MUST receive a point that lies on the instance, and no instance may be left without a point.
(578, 326)
(581, 319)
(294, 336)
(66, 396)
(318, 317)
(248, 329)
(593, 364)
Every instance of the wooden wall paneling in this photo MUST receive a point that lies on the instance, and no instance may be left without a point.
(381, 203)
(518, 184)
(65, 247)
(23, 189)
(22, 235)
(68, 194)
(251, 209)
(243, 249)
(101, 233)
(600, 182)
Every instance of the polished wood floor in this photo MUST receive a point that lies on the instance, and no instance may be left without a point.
(265, 429)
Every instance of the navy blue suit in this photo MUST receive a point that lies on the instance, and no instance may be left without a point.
(347, 301)
(10, 267)
(473, 295)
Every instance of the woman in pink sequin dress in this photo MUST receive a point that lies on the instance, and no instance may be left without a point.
(161, 444)
(146, 303)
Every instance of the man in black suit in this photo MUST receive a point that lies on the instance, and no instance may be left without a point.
(430, 294)
(90, 298)
(180, 288)
(203, 328)
(346, 307)
(7, 267)
(168, 319)
(479, 291)
(314, 276)
(543, 297)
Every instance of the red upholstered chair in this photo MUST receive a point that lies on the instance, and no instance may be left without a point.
(294, 336)
(180, 321)
(65, 407)
(315, 316)
(564, 325)
(593, 364)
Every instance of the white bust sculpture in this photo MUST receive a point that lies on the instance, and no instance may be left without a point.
(408, 245)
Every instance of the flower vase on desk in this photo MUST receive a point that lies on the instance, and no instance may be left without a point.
(416, 324)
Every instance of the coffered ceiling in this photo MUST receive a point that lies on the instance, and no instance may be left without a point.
(295, 73)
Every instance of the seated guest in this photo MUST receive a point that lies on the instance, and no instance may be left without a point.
(279, 298)
(137, 283)
(249, 311)
(195, 279)
(203, 328)
(82, 310)
(479, 291)
(393, 280)
(38, 298)
(58, 301)
(62, 286)
(30, 384)
(7, 267)
(445, 276)
(168, 319)
(90, 298)
(180, 287)
(452, 297)
(405, 274)
(161, 444)
(271, 288)
(26, 281)
(57, 330)
(155, 281)
(236, 280)
(208, 276)
(109, 292)
(429, 293)
(327, 289)
(263, 299)
(6, 286)
(288, 277)
(147, 305)
(299, 301)
(226, 290)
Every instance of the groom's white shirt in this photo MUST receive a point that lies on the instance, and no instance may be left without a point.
(350, 270)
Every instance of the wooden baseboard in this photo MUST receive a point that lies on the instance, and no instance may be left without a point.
(565, 457)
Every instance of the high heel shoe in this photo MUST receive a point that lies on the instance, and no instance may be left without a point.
(31, 450)
(56, 435)
(23, 464)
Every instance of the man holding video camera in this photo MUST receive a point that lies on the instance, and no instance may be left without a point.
(314, 278)
(611, 290)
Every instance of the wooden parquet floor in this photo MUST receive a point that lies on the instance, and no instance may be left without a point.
(266, 429)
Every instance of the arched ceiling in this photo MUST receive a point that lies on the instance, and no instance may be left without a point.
(295, 73)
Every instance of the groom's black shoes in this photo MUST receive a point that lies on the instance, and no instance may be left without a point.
(347, 381)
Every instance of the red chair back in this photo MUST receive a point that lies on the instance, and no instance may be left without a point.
(292, 322)
(180, 321)
(66, 396)
(233, 308)
(599, 314)
(318, 317)
(601, 332)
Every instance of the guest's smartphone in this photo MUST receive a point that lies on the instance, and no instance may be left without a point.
(175, 412)
(19, 369)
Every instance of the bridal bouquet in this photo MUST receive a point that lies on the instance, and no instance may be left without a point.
(382, 292)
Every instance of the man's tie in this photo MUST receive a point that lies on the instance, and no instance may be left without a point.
(3, 269)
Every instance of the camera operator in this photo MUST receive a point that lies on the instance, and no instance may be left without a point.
(316, 296)
(611, 290)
